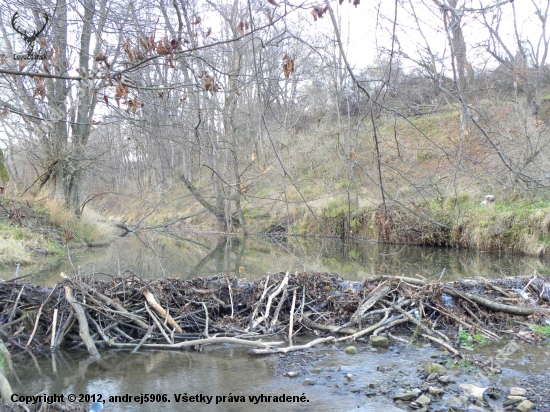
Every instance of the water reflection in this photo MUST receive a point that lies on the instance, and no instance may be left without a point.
(153, 255)
(216, 371)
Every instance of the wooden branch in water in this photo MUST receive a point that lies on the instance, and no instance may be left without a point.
(155, 305)
(269, 351)
(283, 283)
(208, 341)
(365, 331)
(112, 304)
(84, 330)
(445, 345)
(38, 317)
(378, 293)
(499, 307)
(327, 328)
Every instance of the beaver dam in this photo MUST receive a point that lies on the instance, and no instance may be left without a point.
(131, 313)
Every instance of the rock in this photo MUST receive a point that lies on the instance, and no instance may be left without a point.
(516, 398)
(291, 374)
(515, 391)
(457, 401)
(373, 349)
(423, 400)
(525, 406)
(435, 390)
(350, 350)
(509, 402)
(444, 379)
(350, 377)
(315, 370)
(432, 376)
(354, 389)
(370, 393)
(308, 382)
(379, 341)
(434, 368)
(407, 396)
(474, 390)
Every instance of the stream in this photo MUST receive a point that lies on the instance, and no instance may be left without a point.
(340, 382)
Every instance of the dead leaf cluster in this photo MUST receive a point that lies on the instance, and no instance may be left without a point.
(288, 66)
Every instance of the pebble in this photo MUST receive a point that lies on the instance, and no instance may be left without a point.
(515, 391)
(291, 374)
(350, 350)
(525, 406)
(434, 368)
(308, 382)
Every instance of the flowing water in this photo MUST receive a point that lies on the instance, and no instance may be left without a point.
(230, 371)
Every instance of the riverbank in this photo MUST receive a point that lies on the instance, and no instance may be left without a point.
(33, 230)
(517, 226)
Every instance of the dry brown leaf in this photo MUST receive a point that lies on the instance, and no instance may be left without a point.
(267, 169)
(22, 65)
(356, 2)
(288, 66)
(100, 57)
(4, 113)
(162, 50)
(160, 94)
(314, 14)
(240, 28)
(210, 84)
(197, 20)
(2, 59)
(106, 99)
(208, 32)
(182, 99)
(43, 42)
(243, 188)
(120, 91)
(273, 2)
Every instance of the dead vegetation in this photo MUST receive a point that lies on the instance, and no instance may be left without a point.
(131, 313)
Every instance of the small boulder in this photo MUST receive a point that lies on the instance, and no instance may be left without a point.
(423, 400)
(434, 391)
(525, 406)
(407, 396)
(515, 391)
(379, 341)
(308, 382)
(434, 368)
(350, 350)
(291, 374)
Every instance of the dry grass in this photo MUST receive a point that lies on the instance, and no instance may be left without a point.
(13, 251)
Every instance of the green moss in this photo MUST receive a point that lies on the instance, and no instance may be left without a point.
(543, 331)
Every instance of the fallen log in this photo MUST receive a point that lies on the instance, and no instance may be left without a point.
(83, 323)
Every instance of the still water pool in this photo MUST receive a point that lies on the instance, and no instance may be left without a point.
(154, 256)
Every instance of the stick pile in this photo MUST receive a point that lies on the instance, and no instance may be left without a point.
(132, 313)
